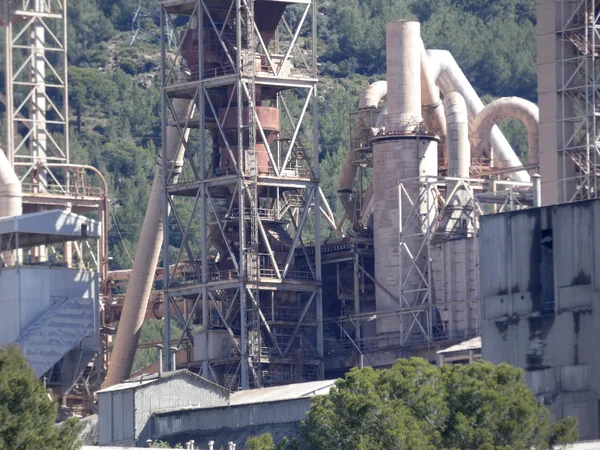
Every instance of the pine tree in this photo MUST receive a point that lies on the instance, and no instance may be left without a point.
(27, 415)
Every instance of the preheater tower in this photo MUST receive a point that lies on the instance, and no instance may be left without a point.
(406, 151)
(241, 207)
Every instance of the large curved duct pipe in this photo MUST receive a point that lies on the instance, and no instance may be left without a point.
(144, 264)
(451, 78)
(503, 108)
(369, 100)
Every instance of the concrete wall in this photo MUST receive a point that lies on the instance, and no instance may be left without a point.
(540, 284)
(232, 417)
(29, 291)
(456, 285)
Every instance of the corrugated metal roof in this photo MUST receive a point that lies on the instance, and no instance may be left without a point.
(146, 379)
(279, 393)
(471, 344)
(130, 384)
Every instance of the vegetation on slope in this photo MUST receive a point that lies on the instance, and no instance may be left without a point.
(415, 405)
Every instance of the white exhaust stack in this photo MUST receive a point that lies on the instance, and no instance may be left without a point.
(403, 43)
(401, 153)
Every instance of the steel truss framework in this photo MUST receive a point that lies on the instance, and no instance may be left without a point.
(37, 140)
(37, 94)
(444, 207)
(242, 208)
(578, 31)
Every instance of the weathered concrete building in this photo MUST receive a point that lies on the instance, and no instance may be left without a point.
(540, 290)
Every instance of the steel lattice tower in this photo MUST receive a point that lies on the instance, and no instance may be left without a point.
(240, 88)
(569, 98)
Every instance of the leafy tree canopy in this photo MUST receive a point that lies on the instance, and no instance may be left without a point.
(415, 405)
(27, 415)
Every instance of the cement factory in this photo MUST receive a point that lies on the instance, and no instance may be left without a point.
(456, 244)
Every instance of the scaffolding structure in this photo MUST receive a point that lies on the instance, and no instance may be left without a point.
(36, 121)
(248, 198)
(578, 89)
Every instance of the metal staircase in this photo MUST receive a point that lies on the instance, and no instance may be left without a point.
(58, 330)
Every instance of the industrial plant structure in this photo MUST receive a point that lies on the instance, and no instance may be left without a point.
(275, 303)
(263, 298)
(52, 213)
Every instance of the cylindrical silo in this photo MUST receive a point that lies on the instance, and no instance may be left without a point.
(405, 153)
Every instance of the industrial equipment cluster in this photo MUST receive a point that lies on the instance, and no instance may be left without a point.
(448, 246)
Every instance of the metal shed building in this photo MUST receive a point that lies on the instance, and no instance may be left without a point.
(124, 410)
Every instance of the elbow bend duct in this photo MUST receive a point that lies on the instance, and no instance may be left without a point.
(145, 262)
(449, 78)
(11, 195)
(459, 147)
(369, 100)
(503, 108)
(433, 114)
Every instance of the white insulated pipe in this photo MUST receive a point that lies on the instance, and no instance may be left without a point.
(146, 259)
(431, 103)
(451, 78)
(459, 147)
(403, 56)
(503, 108)
(11, 198)
(11, 195)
